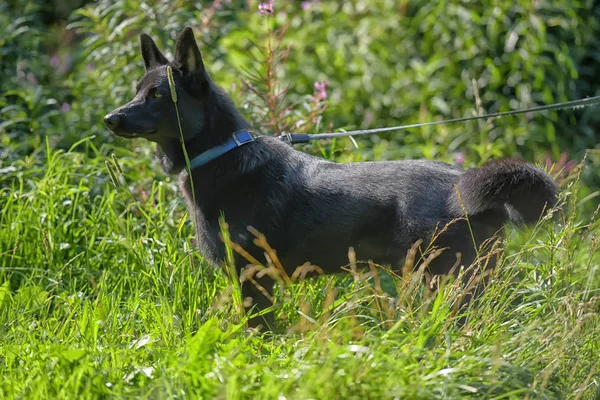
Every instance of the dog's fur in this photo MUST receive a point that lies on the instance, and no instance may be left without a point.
(310, 209)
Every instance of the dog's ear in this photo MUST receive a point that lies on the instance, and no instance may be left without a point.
(187, 54)
(152, 56)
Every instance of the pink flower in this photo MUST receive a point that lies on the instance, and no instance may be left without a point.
(563, 167)
(31, 78)
(369, 117)
(89, 67)
(55, 61)
(320, 92)
(66, 107)
(267, 7)
(308, 4)
(460, 157)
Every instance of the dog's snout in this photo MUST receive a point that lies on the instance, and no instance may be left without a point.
(112, 121)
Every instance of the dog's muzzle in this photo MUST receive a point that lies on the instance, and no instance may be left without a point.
(112, 121)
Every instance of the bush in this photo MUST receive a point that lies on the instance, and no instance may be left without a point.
(385, 63)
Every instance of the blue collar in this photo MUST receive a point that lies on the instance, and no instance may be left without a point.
(238, 139)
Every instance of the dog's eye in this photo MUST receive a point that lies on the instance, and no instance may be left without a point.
(154, 93)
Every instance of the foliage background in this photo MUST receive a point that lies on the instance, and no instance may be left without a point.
(98, 282)
(385, 61)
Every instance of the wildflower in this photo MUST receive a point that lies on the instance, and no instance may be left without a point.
(369, 117)
(65, 107)
(89, 67)
(266, 7)
(460, 157)
(31, 78)
(320, 92)
(55, 61)
(561, 168)
(307, 4)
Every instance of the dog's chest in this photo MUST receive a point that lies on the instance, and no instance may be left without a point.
(245, 205)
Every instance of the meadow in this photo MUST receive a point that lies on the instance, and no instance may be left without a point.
(102, 294)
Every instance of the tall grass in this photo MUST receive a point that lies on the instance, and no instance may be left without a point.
(101, 296)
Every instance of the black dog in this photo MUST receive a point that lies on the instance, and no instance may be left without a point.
(310, 209)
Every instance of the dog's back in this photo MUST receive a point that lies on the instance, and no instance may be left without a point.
(312, 210)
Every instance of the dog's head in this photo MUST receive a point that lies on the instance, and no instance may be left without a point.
(151, 114)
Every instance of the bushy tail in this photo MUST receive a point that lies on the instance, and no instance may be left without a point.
(517, 186)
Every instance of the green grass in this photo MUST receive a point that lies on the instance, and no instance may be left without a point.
(102, 296)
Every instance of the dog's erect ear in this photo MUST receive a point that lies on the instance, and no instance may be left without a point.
(152, 56)
(187, 54)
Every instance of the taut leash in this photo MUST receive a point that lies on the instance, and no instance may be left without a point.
(293, 138)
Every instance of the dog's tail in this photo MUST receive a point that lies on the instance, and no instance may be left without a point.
(524, 191)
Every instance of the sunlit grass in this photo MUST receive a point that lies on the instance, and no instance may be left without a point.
(101, 294)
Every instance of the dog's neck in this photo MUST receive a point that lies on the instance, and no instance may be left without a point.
(221, 120)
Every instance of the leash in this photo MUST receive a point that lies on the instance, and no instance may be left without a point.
(294, 138)
(244, 136)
